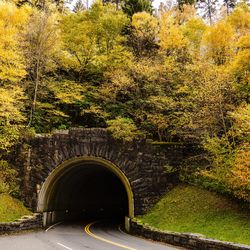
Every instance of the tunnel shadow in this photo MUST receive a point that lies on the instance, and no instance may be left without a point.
(88, 192)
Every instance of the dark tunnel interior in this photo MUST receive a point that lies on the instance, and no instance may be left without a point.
(88, 191)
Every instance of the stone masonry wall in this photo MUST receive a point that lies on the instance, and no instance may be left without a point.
(186, 240)
(25, 223)
(143, 164)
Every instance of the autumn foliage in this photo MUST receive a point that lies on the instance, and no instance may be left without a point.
(168, 76)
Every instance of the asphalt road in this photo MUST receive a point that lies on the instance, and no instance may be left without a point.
(79, 236)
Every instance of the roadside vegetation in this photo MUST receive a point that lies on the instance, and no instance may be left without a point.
(11, 209)
(191, 209)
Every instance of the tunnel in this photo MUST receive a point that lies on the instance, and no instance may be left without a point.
(85, 188)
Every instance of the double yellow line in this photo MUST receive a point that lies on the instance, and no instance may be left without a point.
(87, 230)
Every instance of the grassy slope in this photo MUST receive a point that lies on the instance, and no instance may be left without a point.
(190, 209)
(11, 209)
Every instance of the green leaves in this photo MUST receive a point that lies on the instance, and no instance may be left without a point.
(91, 36)
(130, 7)
(8, 179)
(9, 136)
(123, 129)
(67, 92)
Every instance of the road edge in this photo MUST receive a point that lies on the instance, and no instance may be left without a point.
(186, 240)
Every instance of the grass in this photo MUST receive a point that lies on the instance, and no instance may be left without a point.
(194, 210)
(11, 209)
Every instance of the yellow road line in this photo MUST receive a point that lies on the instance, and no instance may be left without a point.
(87, 230)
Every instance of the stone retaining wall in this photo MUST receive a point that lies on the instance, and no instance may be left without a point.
(25, 223)
(186, 240)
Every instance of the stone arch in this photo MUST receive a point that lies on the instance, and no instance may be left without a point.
(49, 185)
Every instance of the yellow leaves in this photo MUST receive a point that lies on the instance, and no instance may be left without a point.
(218, 42)
(110, 24)
(172, 38)
(50, 110)
(194, 30)
(119, 81)
(93, 37)
(244, 42)
(171, 34)
(240, 19)
(11, 72)
(160, 121)
(242, 122)
(187, 12)
(123, 129)
(9, 135)
(10, 104)
(118, 58)
(145, 25)
(240, 66)
(242, 59)
(95, 111)
(161, 103)
(42, 42)
(146, 70)
(13, 16)
(239, 180)
(12, 19)
(67, 91)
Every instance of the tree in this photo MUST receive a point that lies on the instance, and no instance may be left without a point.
(208, 9)
(42, 48)
(239, 180)
(239, 177)
(91, 37)
(239, 19)
(12, 72)
(181, 3)
(218, 42)
(8, 178)
(108, 27)
(11, 104)
(116, 2)
(79, 6)
(240, 68)
(171, 37)
(123, 129)
(194, 30)
(229, 4)
(144, 31)
(212, 94)
(130, 7)
(12, 20)
(43, 4)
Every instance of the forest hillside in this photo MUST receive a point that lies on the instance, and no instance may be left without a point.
(180, 74)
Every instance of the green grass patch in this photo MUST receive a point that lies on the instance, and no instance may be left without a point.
(193, 210)
(11, 209)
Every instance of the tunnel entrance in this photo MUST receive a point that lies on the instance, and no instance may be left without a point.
(85, 187)
(89, 191)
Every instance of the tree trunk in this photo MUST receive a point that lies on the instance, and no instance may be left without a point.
(33, 107)
(210, 12)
